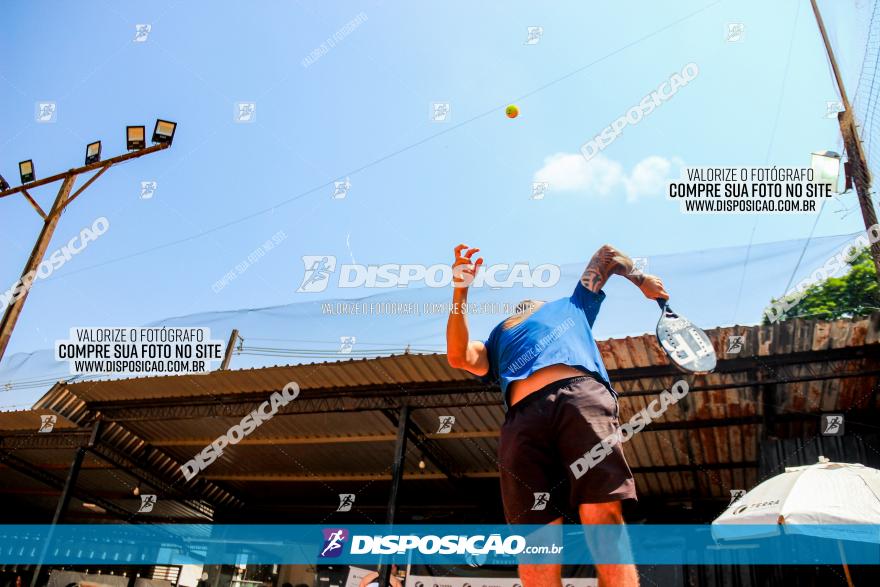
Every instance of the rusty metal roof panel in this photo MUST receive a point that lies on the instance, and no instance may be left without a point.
(473, 448)
(30, 420)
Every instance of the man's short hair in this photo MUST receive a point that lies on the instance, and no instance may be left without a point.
(523, 310)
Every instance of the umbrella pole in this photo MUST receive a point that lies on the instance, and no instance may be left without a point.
(845, 566)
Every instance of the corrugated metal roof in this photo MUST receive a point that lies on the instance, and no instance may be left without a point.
(30, 420)
(410, 369)
(678, 457)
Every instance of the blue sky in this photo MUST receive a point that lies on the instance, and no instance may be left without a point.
(362, 111)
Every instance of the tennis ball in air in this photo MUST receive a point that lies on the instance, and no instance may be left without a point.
(512, 111)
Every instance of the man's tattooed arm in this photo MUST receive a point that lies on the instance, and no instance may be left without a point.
(606, 262)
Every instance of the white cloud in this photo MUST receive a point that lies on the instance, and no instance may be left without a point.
(571, 172)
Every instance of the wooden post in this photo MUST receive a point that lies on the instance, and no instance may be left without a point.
(50, 221)
(855, 153)
(10, 316)
(227, 356)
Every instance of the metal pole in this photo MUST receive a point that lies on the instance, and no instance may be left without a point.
(861, 174)
(10, 316)
(64, 499)
(50, 221)
(396, 476)
(227, 356)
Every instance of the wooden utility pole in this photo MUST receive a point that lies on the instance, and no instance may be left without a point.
(230, 346)
(50, 221)
(860, 173)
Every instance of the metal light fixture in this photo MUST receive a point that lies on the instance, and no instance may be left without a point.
(826, 168)
(26, 170)
(164, 131)
(137, 490)
(135, 137)
(4, 185)
(93, 152)
(95, 508)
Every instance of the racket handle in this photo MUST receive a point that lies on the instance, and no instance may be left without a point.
(662, 303)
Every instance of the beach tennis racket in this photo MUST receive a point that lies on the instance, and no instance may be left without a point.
(686, 345)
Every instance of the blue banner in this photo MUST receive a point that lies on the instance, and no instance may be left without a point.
(111, 544)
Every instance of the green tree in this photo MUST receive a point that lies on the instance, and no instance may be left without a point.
(854, 294)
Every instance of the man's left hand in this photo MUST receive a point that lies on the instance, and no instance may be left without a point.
(652, 287)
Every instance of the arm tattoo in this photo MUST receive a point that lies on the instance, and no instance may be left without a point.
(606, 262)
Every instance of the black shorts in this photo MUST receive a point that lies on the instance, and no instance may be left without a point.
(543, 435)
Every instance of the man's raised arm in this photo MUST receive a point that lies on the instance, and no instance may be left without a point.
(461, 352)
(609, 261)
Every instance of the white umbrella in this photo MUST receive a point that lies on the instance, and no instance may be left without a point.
(831, 494)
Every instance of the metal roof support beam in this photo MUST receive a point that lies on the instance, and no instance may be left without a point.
(754, 362)
(429, 449)
(186, 409)
(403, 423)
(57, 440)
(29, 470)
(321, 401)
(134, 469)
(64, 498)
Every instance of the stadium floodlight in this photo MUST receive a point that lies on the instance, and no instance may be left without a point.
(93, 152)
(4, 185)
(26, 170)
(164, 131)
(826, 168)
(135, 137)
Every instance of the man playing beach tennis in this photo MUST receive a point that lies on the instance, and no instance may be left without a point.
(559, 405)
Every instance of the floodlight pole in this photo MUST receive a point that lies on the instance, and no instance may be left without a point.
(50, 221)
(856, 155)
